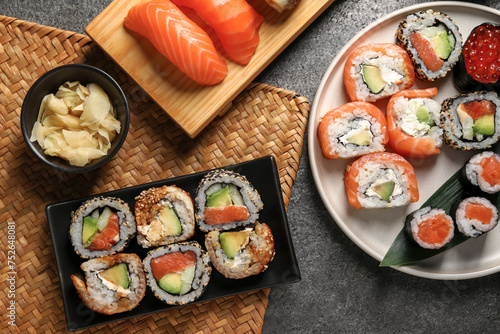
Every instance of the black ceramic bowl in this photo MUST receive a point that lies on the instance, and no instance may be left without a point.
(49, 83)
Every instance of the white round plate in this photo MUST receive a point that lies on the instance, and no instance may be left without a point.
(375, 230)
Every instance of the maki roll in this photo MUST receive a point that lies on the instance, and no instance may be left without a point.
(179, 273)
(225, 200)
(164, 215)
(429, 228)
(112, 284)
(380, 180)
(351, 130)
(101, 226)
(413, 123)
(475, 216)
(479, 65)
(433, 42)
(483, 171)
(375, 71)
(242, 253)
(471, 121)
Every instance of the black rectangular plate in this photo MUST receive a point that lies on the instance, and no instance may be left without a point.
(263, 175)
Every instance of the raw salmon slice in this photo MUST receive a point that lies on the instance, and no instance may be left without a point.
(172, 263)
(434, 230)
(491, 170)
(476, 109)
(235, 22)
(106, 239)
(225, 214)
(478, 212)
(426, 51)
(179, 39)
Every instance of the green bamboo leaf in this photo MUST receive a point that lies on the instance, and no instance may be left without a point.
(403, 252)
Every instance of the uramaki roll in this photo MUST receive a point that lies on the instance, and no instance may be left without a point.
(241, 253)
(101, 226)
(225, 200)
(112, 284)
(164, 215)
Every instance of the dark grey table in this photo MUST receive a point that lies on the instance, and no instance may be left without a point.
(343, 290)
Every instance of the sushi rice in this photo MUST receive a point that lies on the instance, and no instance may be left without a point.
(473, 227)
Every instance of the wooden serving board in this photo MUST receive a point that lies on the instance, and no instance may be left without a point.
(190, 105)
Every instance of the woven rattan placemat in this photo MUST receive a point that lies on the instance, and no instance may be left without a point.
(263, 120)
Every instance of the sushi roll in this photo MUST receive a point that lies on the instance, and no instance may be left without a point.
(432, 40)
(179, 273)
(479, 65)
(101, 226)
(413, 123)
(112, 284)
(482, 171)
(351, 130)
(471, 121)
(225, 200)
(429, 228)
(164, 215)
(380, 180)
(242, 253)
(475, 216)
(375, 71)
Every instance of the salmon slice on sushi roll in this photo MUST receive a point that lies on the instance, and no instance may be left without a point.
(179, 273)
(375, 71)
(351, 130)
(225, 200)
(380, 180)
(413, 123)
(429, 228)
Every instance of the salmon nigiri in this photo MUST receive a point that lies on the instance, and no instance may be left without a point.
(235, 22)
(179, 39)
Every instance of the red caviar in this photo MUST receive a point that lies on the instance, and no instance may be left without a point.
(481, 53)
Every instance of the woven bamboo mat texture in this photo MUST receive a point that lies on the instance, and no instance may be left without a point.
(263, 120)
